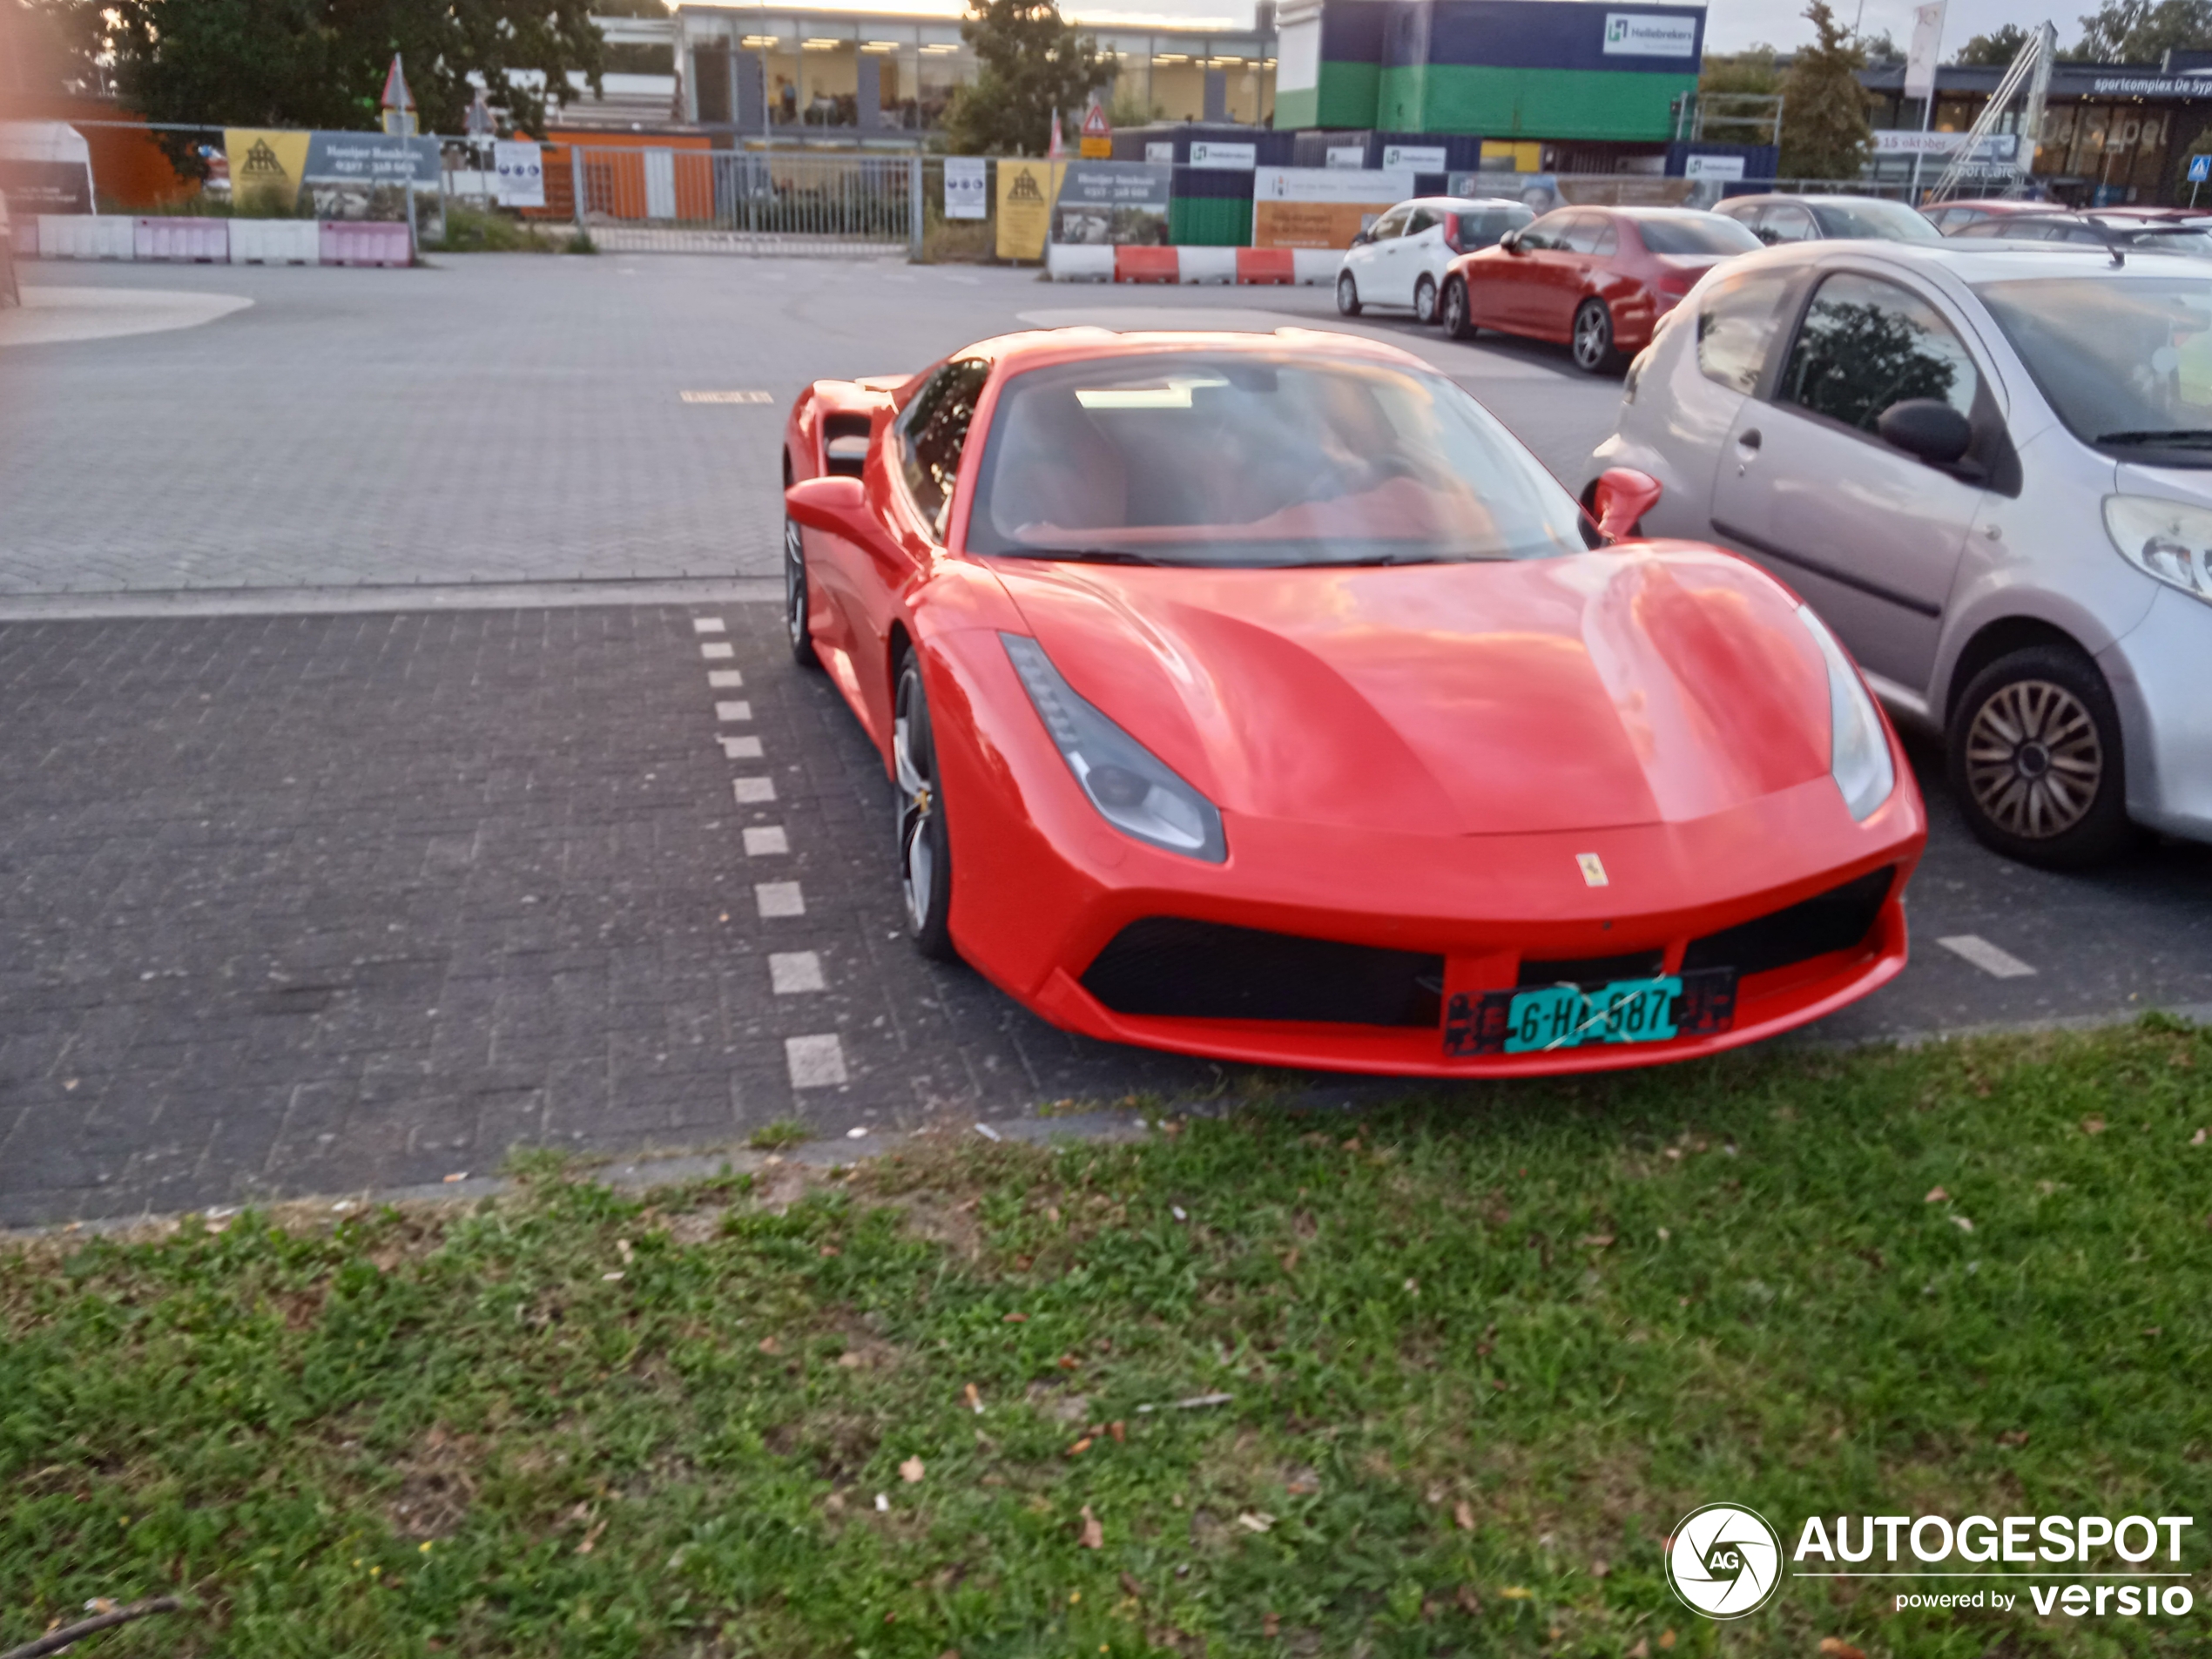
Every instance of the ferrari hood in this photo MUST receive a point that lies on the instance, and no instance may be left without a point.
(1624, 686)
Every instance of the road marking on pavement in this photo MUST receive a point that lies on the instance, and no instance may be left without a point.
(765, 841)
(780, 898)
(718, 650)
(724, 680)
(793, 971)
(740, 748)
(751, 792)
(733, 711)
(1999, 964)
(816, 1062)
(727, 397)
(708, 625)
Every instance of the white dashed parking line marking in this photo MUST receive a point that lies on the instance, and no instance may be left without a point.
(708, 625)
(780, 898)
(816, 1062)
(765, 841)
(751, 791)
(740, 748)
(718, 650)
(737, 710)
(1999, 964)
(792, 971)
(724, 679)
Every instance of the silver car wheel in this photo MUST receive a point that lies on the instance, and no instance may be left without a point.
(2034, 760)
(1424, 301)
(794, 586)
(1593, 336)
(912, 765)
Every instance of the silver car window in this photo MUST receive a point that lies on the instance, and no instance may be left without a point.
(1735, 325)
(1866, 344)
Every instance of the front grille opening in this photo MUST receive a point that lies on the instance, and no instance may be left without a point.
(845, 443)
(1206, 970)
(1593, 970)
(1835, 920)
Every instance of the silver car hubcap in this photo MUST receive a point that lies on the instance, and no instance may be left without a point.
(1345, 292)
(917, 800)
(2033, 759)
(794, 584)
(1591, 337)
(1425, 302)
(1455, 307)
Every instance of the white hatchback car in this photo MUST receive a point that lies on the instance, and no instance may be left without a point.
(1399, 260)
(1990, 469)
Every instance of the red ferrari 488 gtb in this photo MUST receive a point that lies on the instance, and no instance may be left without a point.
(1258, 696)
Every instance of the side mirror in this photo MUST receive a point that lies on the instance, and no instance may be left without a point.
(1926, 427)
(833, 502)
(1362, 239)
(1510, 241)
(1622, 498)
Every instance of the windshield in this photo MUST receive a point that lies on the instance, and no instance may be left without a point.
(1885, 221)
(2126, 361)
(1250, 458)
(1694, 233)
(2159, 240)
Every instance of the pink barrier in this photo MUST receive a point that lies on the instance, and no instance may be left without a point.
(207, 240)
(366, 242)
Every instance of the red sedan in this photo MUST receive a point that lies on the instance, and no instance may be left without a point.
(1258, 696)
(1595, 280)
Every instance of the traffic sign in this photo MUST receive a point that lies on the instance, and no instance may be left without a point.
(1097, 134)
(2200, 169)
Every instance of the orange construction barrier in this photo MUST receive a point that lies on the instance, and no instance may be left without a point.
(1134, 264)
(1266, 265)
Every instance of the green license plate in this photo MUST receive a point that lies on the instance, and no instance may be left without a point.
(1565, 1016)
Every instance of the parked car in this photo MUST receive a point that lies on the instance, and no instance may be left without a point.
(1399, 261)
(1596, 280)
(1258, 696)
(1947, 217)
(1814, 218)
(2131, 234)
(1990, 468)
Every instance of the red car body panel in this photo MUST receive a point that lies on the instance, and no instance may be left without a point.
(1415, 758)
(1535, 293)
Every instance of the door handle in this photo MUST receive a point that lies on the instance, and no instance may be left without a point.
(1748, 439)
(1747, 450)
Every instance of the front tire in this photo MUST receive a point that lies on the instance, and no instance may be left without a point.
(925, 850)
(798, 606)
(1593, 339)
(2035, 760)
(1457, 316)
(1347, 296)
(1425, 302)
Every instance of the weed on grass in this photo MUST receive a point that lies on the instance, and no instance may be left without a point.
(1435, 1380)
(777, 1136)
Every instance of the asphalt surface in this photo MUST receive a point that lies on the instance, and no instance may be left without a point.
(378, 814)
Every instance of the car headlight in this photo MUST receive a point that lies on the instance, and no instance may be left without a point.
(1858, 748)
(1133, 790)
(2166, 539)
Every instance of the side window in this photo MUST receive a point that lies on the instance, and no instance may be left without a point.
(1607, 242)
(1546, 232)
(1785, 222)
(1866, 344)
(1735, 324)
(1581, 232)
(933, 431)
(1390, 224)
(1423, 219)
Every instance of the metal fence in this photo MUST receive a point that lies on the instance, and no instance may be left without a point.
(746, 201)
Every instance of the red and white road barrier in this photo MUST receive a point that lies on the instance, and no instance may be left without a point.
(1067, 263)
(197, 241)
(234, 242)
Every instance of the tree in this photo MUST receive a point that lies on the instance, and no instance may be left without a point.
(1824, 131)
(1033, 62)
(1725, 87)
(1880, 49)
(321, 63)
(2142, 31)
(1995, 50)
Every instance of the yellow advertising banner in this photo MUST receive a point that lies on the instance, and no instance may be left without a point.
(265, 165)
(1027, 191)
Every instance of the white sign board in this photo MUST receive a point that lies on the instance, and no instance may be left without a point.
(966, 194)
(1233, 158)
(1330, 184)
(1927, 45)
(1649, 34)
(1413, 158)
(1160, 152)
(520, 175)
(1998, 146)
(1712, 167)
(1348, 155)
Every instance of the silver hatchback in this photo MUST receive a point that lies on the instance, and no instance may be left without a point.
(1990, 471)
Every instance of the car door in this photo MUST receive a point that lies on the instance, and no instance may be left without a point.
(1421, 251)
(1373, 266)
(1563, 275)
(1869, 535)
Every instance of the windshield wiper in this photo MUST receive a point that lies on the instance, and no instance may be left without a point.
(2186, 437)
(1087, 555)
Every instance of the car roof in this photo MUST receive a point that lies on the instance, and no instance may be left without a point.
(1786, 196)
(1455, 203)
(1038, 346)
(1990, 259)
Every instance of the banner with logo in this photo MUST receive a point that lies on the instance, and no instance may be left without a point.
(266, 168)
(332, 175)
(520, 174)
(1649, 34)
(966, 187)
(1321, 207)
(1026, 192)
(1105, 203)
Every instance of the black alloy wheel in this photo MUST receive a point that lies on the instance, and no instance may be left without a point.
(2034, 759)
(1347, 294)
(796, 605)
(1458, 324)
(1424, 301)
(1593, 342)
(925, 852)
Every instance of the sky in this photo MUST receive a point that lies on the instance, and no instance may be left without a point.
(1731, 25)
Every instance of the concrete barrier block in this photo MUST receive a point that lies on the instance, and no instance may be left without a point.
(275, 241)
(197, 241)
(1266, 265)
(87, 236)
(1144, 264)
(1317, 266)
(1075, 263)
(364, 242)
(1208, 264)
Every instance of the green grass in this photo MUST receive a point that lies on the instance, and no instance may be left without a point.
(783, 1133)
(1484, 1349)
